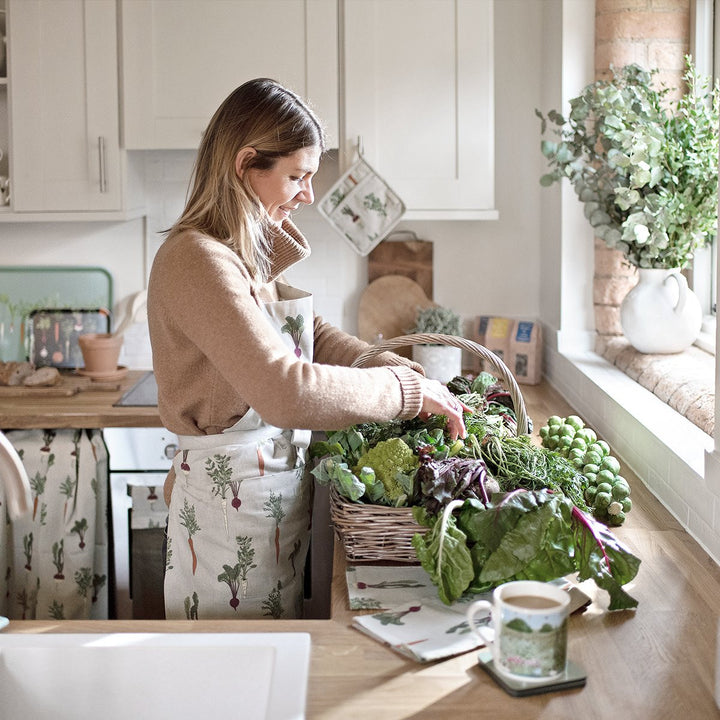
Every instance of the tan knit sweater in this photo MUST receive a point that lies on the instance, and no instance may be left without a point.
(215, 353)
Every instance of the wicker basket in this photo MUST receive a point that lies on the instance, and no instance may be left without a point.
(379, 533)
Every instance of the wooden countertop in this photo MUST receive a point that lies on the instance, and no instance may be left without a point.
(90, 406)
(655, 662)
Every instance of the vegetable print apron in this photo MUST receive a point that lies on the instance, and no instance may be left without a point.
(240, 512)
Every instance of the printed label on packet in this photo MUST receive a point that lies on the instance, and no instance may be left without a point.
(524, 331)
(499, 327)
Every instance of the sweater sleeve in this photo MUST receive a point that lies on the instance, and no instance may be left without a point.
(215, 353)
(335, 347)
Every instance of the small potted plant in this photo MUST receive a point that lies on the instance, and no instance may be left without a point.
(441, 362)
(646, 171)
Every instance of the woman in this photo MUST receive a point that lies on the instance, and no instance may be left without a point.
(245, 371)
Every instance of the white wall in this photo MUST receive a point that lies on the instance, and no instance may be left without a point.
(490, 267)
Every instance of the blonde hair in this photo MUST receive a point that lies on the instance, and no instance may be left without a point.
(261, 114)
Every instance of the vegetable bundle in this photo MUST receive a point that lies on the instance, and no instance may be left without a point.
(526, 510)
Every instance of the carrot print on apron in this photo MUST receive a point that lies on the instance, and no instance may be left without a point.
(240, 512)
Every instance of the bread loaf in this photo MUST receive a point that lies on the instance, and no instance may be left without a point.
(43, 377)
(13, 372)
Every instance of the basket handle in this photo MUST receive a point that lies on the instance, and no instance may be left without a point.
(499, 367)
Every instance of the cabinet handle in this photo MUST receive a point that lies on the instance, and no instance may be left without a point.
(101, 156)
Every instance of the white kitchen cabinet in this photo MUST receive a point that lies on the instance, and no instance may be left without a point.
(418, 93)
(64, 152)
(181, 58)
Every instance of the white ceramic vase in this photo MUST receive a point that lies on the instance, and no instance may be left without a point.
(661, 314)
(440, 362)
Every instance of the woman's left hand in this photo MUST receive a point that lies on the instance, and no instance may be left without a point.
(438, 400)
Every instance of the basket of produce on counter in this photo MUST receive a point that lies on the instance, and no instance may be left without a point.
(492, 507)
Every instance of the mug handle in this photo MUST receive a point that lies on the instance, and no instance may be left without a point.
(485, 633)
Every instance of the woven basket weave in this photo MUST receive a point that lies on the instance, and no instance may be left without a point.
(380, 533)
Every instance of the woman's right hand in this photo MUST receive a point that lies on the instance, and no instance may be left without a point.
(438, 400)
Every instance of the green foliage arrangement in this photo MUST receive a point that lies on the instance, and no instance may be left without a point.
(438, 320)
(646, 170)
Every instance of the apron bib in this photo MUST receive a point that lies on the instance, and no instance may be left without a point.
(240, 513)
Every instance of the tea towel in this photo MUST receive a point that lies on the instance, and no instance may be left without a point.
(362, 207)
(412, 620)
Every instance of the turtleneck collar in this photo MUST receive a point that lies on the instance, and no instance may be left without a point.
(288, 246)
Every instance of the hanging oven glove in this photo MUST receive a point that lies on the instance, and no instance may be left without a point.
(362, 207)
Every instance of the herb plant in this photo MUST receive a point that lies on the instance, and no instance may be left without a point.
(645, 170)
(438, 320)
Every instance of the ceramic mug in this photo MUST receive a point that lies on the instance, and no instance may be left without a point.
(529, 629)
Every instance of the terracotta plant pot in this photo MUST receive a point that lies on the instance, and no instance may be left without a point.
(100, 352)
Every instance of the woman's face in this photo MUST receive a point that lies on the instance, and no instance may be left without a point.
(288, 184)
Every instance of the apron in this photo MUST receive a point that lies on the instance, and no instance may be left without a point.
(240, 513)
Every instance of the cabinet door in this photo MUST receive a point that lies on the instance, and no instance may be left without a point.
(182, 58)
(418, 92)
(64, 124)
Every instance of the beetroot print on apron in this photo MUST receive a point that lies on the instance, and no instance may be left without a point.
(240, 512)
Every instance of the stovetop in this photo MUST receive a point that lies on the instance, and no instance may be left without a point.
(142, 394)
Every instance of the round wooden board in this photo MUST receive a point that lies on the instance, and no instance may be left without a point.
(388, 306)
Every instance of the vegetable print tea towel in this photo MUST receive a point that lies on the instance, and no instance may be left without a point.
(362, 207)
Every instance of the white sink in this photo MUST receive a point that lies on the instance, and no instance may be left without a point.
(118, 676)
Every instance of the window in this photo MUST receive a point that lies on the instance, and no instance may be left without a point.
(705, 49)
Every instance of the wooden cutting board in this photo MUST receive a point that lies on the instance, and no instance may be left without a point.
(411, 258)
(388, 306)
(69, 385)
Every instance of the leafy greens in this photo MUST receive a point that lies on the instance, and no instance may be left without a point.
(538, 535)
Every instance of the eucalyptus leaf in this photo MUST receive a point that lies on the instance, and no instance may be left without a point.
(628, 149)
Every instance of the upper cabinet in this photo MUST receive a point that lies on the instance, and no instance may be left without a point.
(418, 95)
(181, 58)
(64, 152)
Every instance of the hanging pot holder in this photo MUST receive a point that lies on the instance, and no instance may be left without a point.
(362, 207)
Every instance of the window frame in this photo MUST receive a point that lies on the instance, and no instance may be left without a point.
(705, 49)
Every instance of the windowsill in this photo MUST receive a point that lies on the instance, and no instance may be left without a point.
(706, 340)
(647, 433)
(670, 455)
(685, 381)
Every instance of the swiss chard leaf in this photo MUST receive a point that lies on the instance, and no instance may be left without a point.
(454, 573)
(528, 535)
(601, 556)
(538, 546)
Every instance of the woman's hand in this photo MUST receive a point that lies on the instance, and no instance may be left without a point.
(438, 400)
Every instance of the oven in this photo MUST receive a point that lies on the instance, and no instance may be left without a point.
(139, 461)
